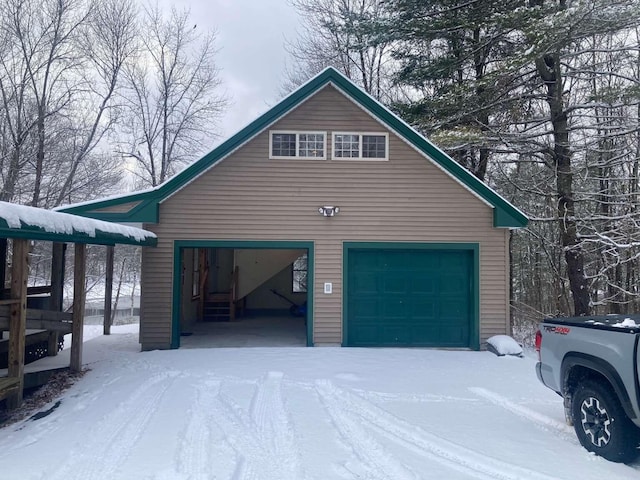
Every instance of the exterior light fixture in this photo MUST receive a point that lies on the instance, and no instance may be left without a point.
(328, 211)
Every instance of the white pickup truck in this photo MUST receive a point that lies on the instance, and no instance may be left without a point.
(594, 364)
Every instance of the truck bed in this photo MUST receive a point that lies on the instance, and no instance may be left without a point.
(624, 323)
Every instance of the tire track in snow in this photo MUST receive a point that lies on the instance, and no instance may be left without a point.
(524, 412)
(269, 414)
(262, 437)
(414, 438)
(120, 431)
(412, 397)
(194, 454)
(374, 459)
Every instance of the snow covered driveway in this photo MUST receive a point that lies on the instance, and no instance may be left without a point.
(301, 413)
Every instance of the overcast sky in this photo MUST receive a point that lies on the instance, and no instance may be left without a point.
(251, 38)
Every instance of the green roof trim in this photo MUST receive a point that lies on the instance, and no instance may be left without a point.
(505, 214)
(101, 238)
(32, 232)
(32, 223)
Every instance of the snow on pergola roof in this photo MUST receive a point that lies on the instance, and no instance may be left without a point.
(19, 221)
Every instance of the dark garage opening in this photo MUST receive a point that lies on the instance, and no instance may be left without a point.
(243, 297)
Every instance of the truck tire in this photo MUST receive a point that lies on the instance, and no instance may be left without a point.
(601, 424)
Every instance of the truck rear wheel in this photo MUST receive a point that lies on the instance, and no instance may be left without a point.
(601, 424)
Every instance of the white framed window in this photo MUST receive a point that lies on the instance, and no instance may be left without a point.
(360, 146)
(297, 144)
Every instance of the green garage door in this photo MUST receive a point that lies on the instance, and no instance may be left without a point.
(409, 298)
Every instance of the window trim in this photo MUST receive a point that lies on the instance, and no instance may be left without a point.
(195, 274)
(293, 274)
(360, 158)
(297, 133)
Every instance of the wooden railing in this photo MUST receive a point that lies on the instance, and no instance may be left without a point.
(6, 292)
(38, 319)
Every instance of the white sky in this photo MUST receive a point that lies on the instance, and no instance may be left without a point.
(251, 38)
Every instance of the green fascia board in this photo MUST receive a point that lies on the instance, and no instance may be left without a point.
(179, 245)
(31, 232)
(474, 247)
(503, 218)
(507, 215)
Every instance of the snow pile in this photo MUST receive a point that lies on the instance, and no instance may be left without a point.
(627, 322)
(504, 345)
(64, 223)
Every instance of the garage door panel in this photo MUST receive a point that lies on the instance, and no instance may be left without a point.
(454, 284)
(394, 308)
(453, 309)
(424, 284)
(364, 283)
(424, 308)
(394, 260)
(368, 335)
(454, 336)
(366, 306)
(366, 260)
(413, 297)
(395, 335)
(424, 262)
(394, 282)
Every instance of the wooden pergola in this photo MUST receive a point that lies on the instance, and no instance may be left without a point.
(20, 225)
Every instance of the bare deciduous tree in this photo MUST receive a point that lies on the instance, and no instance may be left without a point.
(107, 43)
(173, 99)
(59, 69)
(336, 33)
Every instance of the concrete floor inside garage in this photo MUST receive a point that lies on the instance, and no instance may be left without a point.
(258, 331)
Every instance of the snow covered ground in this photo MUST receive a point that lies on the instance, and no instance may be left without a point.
(300, 413)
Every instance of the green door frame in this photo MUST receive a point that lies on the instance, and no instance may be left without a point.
(475, 277)
(179, 245)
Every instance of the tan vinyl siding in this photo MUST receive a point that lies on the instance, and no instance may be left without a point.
(250, 197)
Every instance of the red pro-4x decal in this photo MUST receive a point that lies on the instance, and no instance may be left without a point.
(557, 329)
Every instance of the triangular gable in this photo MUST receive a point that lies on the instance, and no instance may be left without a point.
(145, 204)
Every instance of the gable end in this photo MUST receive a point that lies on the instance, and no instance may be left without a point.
(505, 214)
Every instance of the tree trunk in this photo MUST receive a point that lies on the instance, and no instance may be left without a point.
(39, 156)
(549, 70)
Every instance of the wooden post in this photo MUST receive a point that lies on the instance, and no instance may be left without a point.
(108, 290)
(57, 287)
(3, 263)
(80, 259)
(18, 317)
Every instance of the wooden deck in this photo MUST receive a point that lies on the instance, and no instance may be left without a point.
(39, 324)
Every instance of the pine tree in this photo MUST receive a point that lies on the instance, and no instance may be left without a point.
(510, 80)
